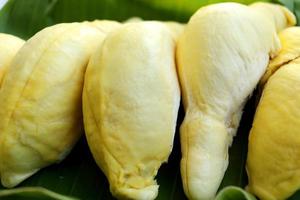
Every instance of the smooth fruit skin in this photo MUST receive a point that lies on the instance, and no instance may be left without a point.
(130, 103)
(222, 53)
(273, 153)
(9, 46)
(40, 99)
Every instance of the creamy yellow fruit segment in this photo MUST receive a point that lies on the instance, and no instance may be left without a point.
(130, 103)
(223, 52)
(40, 99)
(273, 154)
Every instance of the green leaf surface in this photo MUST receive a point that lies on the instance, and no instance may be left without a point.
(33, 193)
(297, 10)
(26, 17)
(234, 193)
(78, 176)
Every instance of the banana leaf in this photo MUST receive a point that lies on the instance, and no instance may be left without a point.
(78, 177)
(234, 193)
(34, 193)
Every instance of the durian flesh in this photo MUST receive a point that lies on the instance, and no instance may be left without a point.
(130, 104)
(222, 53)
(40, 99)
(273, 153)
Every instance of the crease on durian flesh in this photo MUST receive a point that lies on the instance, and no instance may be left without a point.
(40, 99)
(289, 40)
(221, 55)
(273, 150)
(130, 102)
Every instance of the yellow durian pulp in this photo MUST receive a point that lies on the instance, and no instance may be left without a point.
(40, 99)
(273, 153)
(130, 104)
(222, 54)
